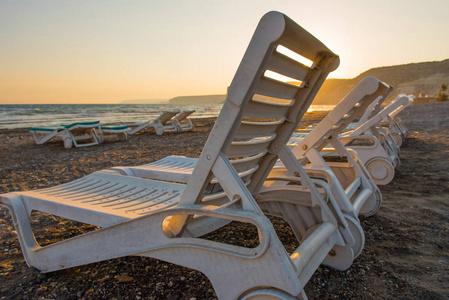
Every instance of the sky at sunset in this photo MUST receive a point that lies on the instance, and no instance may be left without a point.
(109, 51)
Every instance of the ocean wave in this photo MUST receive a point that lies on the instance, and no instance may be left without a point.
(57, 114)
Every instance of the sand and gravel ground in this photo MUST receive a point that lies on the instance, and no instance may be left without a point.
(406, 255)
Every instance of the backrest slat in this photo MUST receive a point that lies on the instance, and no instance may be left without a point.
(272, 88)
(282, 64)
(249, 148)
(249, 130)
(265, 110)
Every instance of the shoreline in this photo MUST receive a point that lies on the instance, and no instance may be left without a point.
(105, 114)
(407, 241)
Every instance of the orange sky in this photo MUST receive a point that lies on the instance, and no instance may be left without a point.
(106, 52)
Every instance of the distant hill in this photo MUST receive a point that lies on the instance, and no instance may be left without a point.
(416, 78)
(205, 99)
(145, 101)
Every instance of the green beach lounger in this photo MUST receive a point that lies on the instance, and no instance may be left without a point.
(79, 134)
(120, 131)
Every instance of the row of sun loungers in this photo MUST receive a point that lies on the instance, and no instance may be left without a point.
(82, 134)
(252, 165)
(376, 136)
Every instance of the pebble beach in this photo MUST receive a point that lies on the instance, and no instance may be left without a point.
(406, 254)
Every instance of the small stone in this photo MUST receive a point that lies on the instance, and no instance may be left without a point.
(104, 278)
(123, 278)
(41, 290)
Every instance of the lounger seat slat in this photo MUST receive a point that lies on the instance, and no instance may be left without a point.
(162, 202)
(137, 201)
(108, 189)
(72, 186)
(132, 195)
(117, 195)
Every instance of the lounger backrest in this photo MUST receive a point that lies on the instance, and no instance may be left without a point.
(374, 121)
(260, 113)
(374, 108)
(184, 114)
(401, 107)
(167, 116)
(351, 107)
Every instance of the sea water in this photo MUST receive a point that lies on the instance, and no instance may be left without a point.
(51, 115)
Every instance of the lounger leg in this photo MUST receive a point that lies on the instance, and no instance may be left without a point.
(297, 209)
(22, 225)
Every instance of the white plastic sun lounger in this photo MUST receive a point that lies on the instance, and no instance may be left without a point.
(375, 147)
(349, 180)
(371, 111)
(394, 131)
(80, 134)
(160, 219)
(160, 125)
(182, 122)
(394, 124)
(373, 125)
